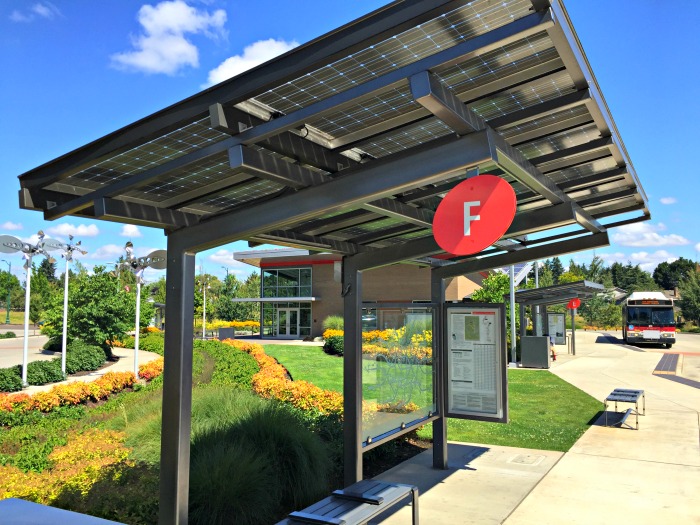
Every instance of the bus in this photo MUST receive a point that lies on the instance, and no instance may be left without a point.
(647, 317)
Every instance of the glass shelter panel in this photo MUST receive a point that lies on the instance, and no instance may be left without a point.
(398, 373)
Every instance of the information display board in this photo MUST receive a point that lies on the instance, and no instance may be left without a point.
(556, 327)
(476, 366)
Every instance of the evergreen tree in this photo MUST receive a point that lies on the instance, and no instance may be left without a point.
(668, 275)
(690, 297)
(48, 268)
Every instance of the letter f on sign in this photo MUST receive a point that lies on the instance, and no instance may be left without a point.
(469, 218)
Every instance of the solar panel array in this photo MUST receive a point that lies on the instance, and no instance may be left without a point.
(186, 167)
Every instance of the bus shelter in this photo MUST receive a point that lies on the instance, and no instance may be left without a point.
(348, 144)
(538, 299)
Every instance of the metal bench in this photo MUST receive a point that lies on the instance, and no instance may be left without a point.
(355, 504)
(625, 395)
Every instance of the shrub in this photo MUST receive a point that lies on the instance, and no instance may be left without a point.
(153, 342)
(256, 468)
(10, 379)
(232, 365)
(334, 344)
(81, 357)
(42, 372)
(8, 335)
(333, 322)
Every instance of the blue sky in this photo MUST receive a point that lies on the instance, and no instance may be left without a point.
(73, 71)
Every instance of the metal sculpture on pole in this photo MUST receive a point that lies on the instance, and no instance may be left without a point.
(156, 260)
(10, 244)
(68, 250)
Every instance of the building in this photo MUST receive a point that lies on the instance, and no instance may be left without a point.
(300, 289)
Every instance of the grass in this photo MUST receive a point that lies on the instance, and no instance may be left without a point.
(15, 317)
(310, 363)
(545, 411)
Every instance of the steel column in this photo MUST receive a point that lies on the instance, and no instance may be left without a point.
(177, 386)
(352, 372)
(437, 297)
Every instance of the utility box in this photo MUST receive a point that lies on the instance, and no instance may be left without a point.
(534, 351)
(227, 333)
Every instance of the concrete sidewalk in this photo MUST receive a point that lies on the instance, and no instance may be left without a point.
(611, 475)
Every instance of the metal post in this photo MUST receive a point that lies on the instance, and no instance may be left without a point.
(177, 387)
(352, 373)
(138, 326)
(204, 310)
(64, 340)
(25, 352)
(573, 331)
(513, 335)
(523, 323)
(536, 313)
(437, 296)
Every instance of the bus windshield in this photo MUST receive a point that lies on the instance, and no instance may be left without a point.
(645, 315)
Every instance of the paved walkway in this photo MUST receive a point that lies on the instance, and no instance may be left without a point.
(11, 354)
(611, 475)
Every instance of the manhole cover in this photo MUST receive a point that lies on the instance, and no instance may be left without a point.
(527, 459)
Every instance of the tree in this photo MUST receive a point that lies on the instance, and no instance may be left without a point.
(48, 268)
(556, 267)
(10, 283)
(668, 275)
(632, 278)
(690, 297)
(96, 314)
(493, 289)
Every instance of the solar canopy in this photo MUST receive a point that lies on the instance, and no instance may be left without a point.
(558, 294)
(347, 144)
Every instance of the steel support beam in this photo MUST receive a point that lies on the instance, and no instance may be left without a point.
(531, 254)
(430, 93)
(437, 297)
(398, 210)
(354, 188)
(543, 108)
(133, 213)
(352, 372)
(602, 144)
(177, 387)
(312, 241)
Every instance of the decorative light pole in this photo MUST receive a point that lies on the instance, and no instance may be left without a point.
(156, 260)
(9, 272)
(68, 250)
(10, 244)
(205, 287)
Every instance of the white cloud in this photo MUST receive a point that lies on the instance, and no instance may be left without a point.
(41, 9)
(162, 46)
(646, 235)
(697, 247)
(9, 225)
(81, 230)
(668, 200)
(647, 261)
(108, 252)
(225, 258)
(253, 55)
(129, 230)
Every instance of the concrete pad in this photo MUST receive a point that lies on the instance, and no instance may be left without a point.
(589, 489)
(483, 484)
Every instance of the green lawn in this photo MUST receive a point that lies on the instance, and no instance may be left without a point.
(545, 411)
(15, 317)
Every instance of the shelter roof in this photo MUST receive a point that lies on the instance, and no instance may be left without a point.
(348, 143)
(558, 294)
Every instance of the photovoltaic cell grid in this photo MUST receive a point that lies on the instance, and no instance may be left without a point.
(241, 194)
(158, 151)
(563, 140)
(413, 44)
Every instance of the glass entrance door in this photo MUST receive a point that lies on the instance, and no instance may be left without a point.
(288, 322)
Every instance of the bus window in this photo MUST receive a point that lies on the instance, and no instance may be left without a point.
(659, 316)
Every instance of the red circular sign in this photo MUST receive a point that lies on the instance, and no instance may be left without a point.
(574, 303)
(474, 215)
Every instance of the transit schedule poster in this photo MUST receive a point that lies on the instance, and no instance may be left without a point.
(475, 362)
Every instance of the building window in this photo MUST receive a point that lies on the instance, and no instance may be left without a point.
(287, 282)
(281, 318)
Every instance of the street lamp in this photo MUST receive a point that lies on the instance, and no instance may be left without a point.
(156, 260)
(9, 272)
(10, 244)
(205, 287)
(68, 250)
